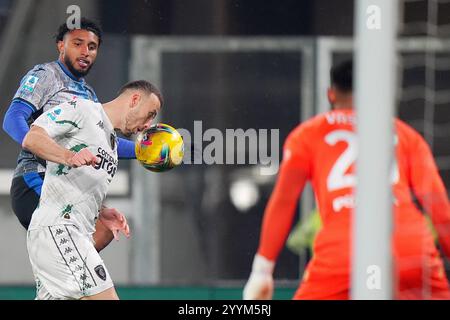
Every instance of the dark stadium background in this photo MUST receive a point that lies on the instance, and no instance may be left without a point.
(203, 246)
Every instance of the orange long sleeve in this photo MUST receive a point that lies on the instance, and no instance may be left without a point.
(280, 210)
(430, 191)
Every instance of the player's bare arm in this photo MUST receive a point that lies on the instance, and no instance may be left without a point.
(41, 144)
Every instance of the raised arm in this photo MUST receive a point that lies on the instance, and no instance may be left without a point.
(60, 121)
(41, 144)
(278, 217)
(280, 211)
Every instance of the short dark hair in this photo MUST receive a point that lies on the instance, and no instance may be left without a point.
(144, 86)
(85, 24)
(342, 76)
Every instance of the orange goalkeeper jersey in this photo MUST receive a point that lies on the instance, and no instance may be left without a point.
(323, 150)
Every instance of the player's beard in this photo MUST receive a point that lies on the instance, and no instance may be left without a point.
(78, 74)
(128, 133)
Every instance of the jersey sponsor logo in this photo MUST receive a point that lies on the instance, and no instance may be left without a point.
(101, 125)
(100, 271)
(30, 83)
(106, 162)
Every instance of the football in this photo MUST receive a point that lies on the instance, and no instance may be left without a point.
(159, 148)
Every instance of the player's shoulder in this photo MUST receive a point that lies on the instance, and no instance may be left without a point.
(404, 127)
(408, 137)
(89, 87)
(306, 129)
(84, 105)
(43, 68)
(321, 122)
(406, 132)
(79, 105)
(44, 73)
(80, 109)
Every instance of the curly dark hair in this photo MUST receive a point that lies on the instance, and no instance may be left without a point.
(85, 24)
(342, 76)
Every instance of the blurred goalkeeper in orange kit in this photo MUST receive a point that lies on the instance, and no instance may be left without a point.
(323, 151)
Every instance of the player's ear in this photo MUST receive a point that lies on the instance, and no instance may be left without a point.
(135, 98)
(331, 94)
(60, 46)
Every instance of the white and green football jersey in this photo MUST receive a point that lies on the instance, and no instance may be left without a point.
(75, 195)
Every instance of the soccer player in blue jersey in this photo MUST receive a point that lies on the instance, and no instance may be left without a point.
(43, 87)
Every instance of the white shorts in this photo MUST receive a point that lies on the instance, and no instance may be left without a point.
(65, 263)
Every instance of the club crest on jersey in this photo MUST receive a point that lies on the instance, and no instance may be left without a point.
(30, 83)
(106, 161)
(100, 271)
(67, 211)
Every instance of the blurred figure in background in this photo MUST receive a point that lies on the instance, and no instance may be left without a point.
(323, 150)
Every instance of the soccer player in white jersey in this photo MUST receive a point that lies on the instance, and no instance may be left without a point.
(45, 86)
(79, 142)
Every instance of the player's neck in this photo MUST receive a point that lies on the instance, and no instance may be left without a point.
(343, 106)
(343, 102)
(114, 110)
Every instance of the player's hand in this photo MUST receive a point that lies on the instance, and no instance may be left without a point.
(260, 284)
(114, 221)
(82, 158)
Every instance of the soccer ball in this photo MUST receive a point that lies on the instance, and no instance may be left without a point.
(159, 148)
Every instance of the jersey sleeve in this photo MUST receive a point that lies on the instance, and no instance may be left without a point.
(280, 211)
(126, 149)
(297, 150)
(36, 87)
(430, 190)
(15, 122)
(65, 119)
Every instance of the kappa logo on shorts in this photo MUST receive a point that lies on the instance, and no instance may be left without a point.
(100, 271)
